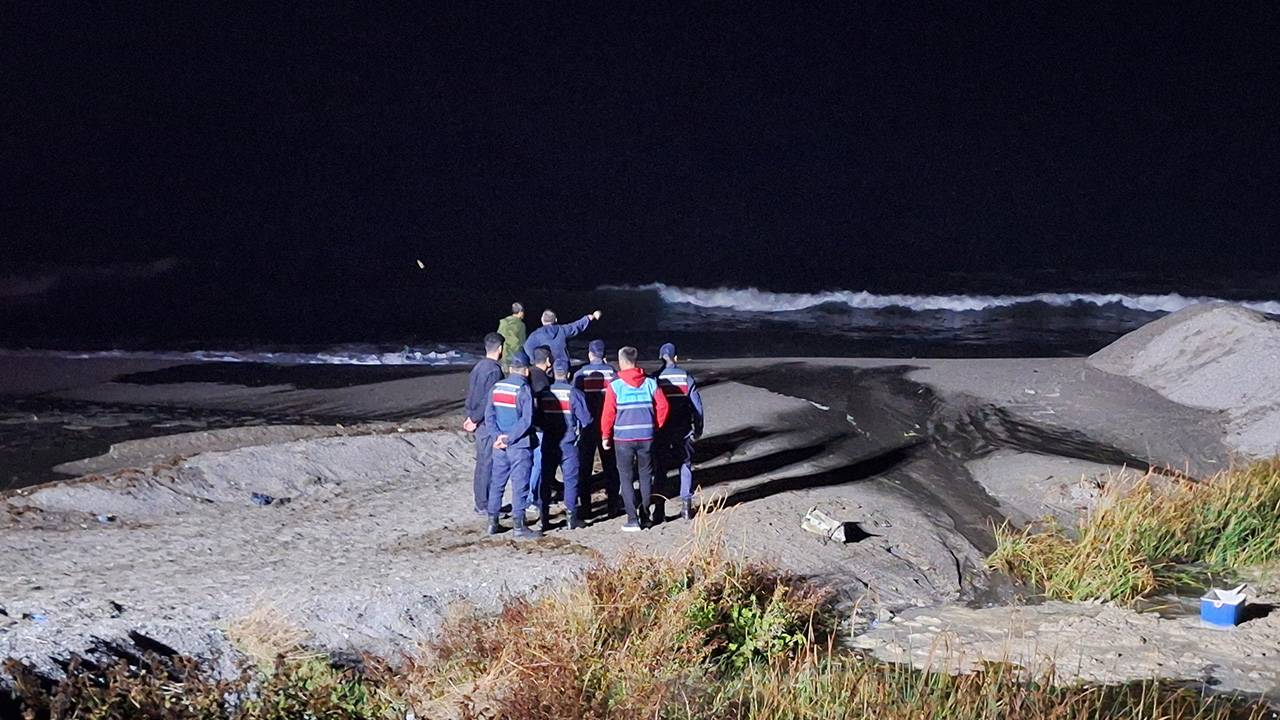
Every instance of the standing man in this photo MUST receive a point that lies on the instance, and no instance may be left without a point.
(591, 379)
(557, 336)
(684, 425)
(484, 376)
(563, 413)
(540, 386)
(512, 328)
(510, 417)
(634, 409)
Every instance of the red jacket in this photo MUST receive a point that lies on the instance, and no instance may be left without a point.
(633, 377)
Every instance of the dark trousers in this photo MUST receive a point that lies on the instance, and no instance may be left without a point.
(635, 462)
(563, 455)
(511, 464)
(484, 468)
(588, 445)
(676, 453)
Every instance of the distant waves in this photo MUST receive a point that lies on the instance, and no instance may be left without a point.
(346, 355)
(760, 301)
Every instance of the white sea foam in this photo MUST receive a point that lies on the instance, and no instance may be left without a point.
(339, 356)
(753, 300)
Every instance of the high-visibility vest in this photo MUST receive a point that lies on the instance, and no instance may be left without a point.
(636, 415)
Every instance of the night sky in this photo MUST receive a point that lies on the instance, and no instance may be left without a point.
(622, 143)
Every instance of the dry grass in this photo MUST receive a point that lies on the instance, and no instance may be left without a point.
(267, 635)
(697, 634)
(640, 634)
(1151, 534)
(833, 686)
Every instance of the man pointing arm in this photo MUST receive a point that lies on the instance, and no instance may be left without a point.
(556, 336)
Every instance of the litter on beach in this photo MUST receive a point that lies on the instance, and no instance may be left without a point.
(819, 523)
(1223, 608)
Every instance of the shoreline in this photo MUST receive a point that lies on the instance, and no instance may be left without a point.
(377, 544)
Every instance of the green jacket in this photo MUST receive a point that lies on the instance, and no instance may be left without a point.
(512, 330)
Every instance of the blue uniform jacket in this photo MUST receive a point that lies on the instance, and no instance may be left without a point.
(484, 376)
(591, 379)
(563, 412)
(686, 402)
(556, 337)
(510, 411)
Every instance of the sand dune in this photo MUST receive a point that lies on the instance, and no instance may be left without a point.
(370, 539)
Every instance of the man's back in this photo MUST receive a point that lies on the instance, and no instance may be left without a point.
(682, 395)
(591, 379)
(556, 337)
(563, 411)
(484, 376)
(513, 332)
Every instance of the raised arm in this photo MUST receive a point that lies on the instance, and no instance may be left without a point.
(577, 326)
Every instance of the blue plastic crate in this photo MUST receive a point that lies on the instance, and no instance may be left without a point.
(1222, 608)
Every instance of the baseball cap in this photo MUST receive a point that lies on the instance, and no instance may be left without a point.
(596, 347)
(520, 359)
(560, 367)
(668, 350)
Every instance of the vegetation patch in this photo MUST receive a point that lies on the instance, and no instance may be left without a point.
(696, 635)
(1157, 533)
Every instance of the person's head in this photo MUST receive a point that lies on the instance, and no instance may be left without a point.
(595, 351)
(561, 369)
(549, 317)
(542, 358)
(627, 357)
(518, 310)
(520, 364)
(493, 343)
(667, 353)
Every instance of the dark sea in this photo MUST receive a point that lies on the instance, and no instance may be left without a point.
(167, 309)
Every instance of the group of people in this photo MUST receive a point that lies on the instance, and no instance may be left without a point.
(532, 415)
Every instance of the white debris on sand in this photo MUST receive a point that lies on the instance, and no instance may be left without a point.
(1218, 357)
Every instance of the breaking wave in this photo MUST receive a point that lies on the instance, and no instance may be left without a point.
(353, 355)
(762, 301)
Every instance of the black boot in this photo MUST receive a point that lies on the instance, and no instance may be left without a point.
(575, 523)
(494, 527)
(686, 509)
(524, 532)
(659, 513)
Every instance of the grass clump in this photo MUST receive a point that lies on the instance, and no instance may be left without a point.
(158, 688)
(1144, 537)
(834, 686)
(642, 634)
(699, 634)
(704, 635)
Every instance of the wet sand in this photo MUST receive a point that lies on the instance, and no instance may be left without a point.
(377, 543)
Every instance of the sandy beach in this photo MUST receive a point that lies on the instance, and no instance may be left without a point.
(154, 537)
